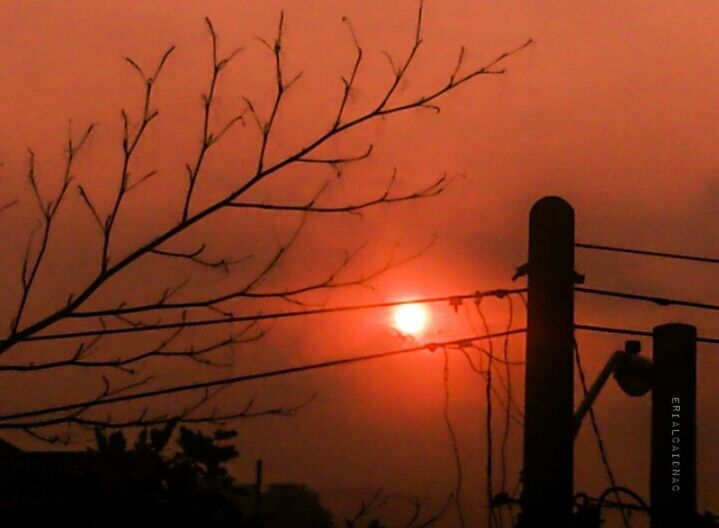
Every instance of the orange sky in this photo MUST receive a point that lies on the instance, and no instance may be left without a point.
(614, 107)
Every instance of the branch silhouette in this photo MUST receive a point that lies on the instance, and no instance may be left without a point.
(99, 300)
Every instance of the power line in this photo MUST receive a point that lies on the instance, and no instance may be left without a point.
(661, 301)
(598, 434)
(491, 513)
(454, 300)
(453, 438)
(634, 332)
(603, 502)
(679, 256)
(248, 377)
(611, 330)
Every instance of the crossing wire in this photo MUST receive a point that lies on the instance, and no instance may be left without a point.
(598, 434)
(646, 252)
(454, 300)
(247, 377)
(661, 301)
(634, 332)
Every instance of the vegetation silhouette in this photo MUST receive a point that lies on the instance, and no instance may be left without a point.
(156, 482)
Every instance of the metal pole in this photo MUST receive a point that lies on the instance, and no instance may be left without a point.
(673, 485)
(596, 388)
(549, 402)
(632, 372)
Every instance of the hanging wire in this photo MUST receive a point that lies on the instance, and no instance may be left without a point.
(510, 400)
(634, 332)
(244, 378)
(452, 299)
(508, 372)
(492, 513)
(641, 503)
(519, 485)
(495, 517)
(518, 418)
(646, 252)
(661, 301)
(453, 436)
(598, 436)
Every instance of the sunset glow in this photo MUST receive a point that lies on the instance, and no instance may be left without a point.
(240, 208)
(410, 319)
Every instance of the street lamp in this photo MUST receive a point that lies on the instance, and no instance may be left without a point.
(632, 372)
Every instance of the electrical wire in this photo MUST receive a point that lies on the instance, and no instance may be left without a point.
(679, 256)
(510, 400)
(598, 435)
(661, 301)
(247, 377)
(495, 515)
(453, 437)
(520, 415)
(634, 332)
(491, 512)
(452, 299)
(508, 372)
(641, 503)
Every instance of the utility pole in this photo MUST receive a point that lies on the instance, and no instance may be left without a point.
(549, 402)
(673, 486)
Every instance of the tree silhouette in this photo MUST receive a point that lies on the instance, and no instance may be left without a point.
(369, 512)
(113, 485)
(105, 308)
(293, 505)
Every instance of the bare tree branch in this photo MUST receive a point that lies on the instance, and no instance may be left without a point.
(48, 210)
(336, 163)
(434, 189)
(187, 416)
(130, 142)
(4, 207)
(381, 500)
(208, 138)
(118, 307)
(196, 257)
(348, 83)
(330, 281)
(261, 173)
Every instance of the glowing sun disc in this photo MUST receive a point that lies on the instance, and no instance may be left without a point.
(410, 318)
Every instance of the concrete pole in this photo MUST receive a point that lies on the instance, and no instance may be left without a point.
(673, 487)
(549, 401)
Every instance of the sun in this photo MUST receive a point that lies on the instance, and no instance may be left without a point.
(410, 319)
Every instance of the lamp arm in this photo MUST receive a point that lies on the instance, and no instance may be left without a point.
(594, 391)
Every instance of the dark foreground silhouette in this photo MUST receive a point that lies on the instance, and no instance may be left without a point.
(155, 482)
